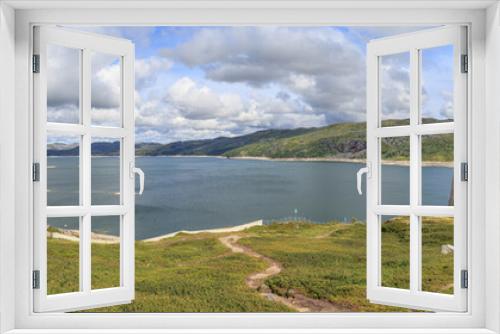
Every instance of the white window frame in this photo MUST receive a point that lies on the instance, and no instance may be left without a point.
(412, 44)
(16, 305)
(86, 44)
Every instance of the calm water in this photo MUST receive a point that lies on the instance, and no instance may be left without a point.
(195, 193)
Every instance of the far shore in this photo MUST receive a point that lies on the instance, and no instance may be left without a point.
(321, 159)
(448, 164)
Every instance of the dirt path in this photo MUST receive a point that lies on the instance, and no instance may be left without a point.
(298, 302)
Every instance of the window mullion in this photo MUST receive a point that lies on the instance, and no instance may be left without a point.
(415, 245)
(86, 156)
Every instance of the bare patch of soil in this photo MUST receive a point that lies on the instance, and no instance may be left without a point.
(298, 301)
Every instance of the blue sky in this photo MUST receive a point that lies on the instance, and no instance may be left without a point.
(204, 82)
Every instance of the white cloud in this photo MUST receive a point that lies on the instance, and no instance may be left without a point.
(200, 102)
(319, 65)
(189, 110)
(63, 85)
(63, 76)
(105, 83)
(301, 82)
(254, 78)
(147, 70)
(395, 86)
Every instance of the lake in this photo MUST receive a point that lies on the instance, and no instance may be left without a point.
(193, 193)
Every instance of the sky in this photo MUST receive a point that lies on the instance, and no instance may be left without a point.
(206, 82)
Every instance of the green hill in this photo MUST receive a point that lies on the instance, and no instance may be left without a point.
(339, 141)
(345, 141)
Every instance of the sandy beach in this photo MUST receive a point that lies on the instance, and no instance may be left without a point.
(230, 229)
(74, 235)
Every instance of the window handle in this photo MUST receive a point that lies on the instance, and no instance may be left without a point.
(134, 170)
(365, 170)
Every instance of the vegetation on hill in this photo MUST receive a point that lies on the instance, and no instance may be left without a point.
(216, 146)
(197, 273)
(341, 140)
(344, 140)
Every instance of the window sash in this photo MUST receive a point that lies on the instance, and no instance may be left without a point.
(86, 297)
(414, 297)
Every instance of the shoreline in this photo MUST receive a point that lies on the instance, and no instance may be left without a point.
(405, 163)
(447, 164)
(237, 228)
(98, 238)
(74, 235)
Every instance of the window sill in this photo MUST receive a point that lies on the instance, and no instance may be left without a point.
(254, 331)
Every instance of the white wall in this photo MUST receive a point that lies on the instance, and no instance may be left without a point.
(7, 159)
(493, 167)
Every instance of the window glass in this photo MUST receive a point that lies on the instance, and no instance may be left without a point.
(395, 89)
(394, 170)
(63, 170)
(63, 255)
(437, 254)
(105, 252)
(436, 94)
(106, 171)
(437, 169)
(106, 90)
(63, 84)
(395, 252)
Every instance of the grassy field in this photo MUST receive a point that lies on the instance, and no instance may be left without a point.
(196, 273)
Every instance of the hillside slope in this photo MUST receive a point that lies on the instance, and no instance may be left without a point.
(345, 140)
(340, 141)
(217, 146)
(197, 273)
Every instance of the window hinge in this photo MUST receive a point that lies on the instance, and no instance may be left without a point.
(36, 172)
(465, 63)
(464, 171)
(36, 64)
(464, 280)
(36, 279)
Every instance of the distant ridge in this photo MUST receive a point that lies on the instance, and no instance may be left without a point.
(341, 140)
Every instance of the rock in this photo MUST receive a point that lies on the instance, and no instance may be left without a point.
(446, 249)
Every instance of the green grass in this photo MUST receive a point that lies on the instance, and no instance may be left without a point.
(62, 266)
(196, 273)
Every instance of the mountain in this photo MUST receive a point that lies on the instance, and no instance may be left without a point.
(97, 148)
(342, 140)
(217, 146)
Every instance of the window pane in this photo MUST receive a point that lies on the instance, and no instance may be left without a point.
(105, 252)
(106, 90)
(395, 251)
(437, 254)
(105, 171)
(63, 84)
(437, 169)
(63, 170)
(394, 170)
(395, 89)
(437, 84)
(63, 255)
